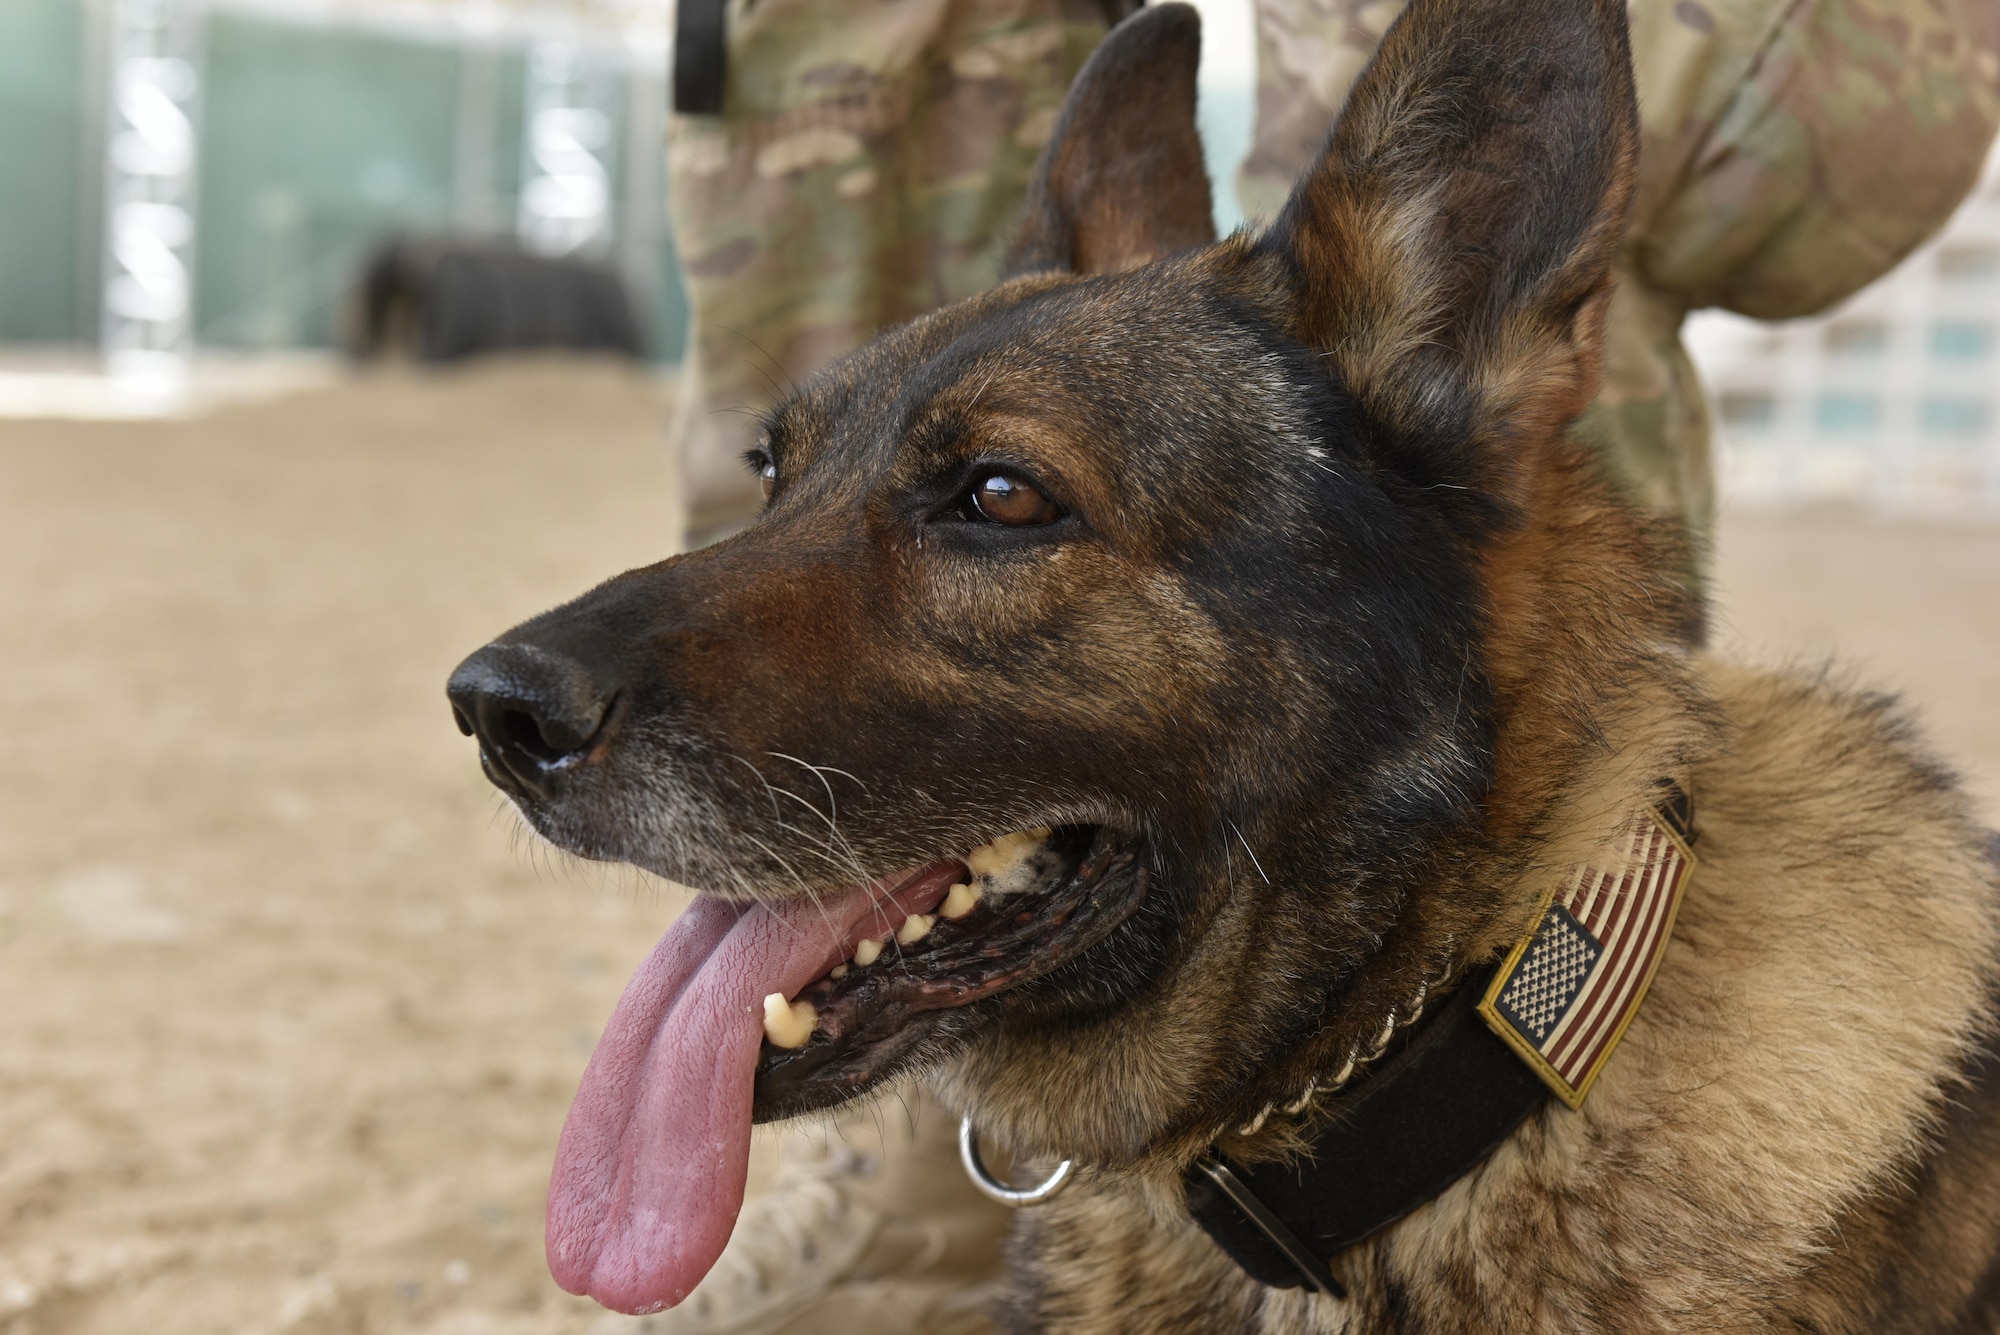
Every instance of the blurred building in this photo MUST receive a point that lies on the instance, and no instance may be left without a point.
(183, 173)
(1892, 400)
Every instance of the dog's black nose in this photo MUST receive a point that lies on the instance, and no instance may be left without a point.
(534, 710)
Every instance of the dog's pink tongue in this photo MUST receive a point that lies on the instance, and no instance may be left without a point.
(649, 1175)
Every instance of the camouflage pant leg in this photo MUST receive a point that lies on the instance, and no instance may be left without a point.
(867, 168)
(1790, 154)
(1309, 53)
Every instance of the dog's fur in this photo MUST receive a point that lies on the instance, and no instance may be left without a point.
(1351, 637)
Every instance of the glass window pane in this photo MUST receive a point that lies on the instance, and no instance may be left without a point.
(1847, 414)
(1954, 415)
(1961, 340)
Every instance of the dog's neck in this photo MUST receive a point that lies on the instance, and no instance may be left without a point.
(1594, 701)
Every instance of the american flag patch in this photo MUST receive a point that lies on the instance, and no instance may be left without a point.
(1563, 997)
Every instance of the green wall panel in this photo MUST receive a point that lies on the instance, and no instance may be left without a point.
(315, 144)
(41, 153)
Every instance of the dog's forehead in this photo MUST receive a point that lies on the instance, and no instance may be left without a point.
(1147, 346)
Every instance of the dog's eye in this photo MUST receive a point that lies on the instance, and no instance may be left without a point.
(761, 463)
(1008, 500)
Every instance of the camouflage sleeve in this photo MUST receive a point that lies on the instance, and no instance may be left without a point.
(1791, 152)
(1794, 152)
(867, 165)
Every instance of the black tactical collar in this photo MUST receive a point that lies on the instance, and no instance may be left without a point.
(1442, 1098)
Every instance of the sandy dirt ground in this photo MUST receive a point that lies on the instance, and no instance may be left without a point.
(289, 1012)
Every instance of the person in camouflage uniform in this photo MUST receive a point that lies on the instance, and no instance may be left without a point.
(867, 167)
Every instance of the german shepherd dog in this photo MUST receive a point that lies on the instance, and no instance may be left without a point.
(1148, 681)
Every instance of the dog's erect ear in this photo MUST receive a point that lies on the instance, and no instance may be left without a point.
(1122, 182)
(1451, 249)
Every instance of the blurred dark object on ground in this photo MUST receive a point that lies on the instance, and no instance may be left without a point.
(446, 299)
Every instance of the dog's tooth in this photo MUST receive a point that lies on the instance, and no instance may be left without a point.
(1011, 863)
(867, 952)
(990, 859)
(915, 928)
(837, 972)
(994, 858)
(960, 900)
(788, 1024)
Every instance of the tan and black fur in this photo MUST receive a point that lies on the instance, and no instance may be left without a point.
(1347, 637)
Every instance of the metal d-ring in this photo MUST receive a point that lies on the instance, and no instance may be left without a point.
(993, 1187)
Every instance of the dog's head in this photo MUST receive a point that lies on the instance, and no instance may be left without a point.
(1106, 709)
